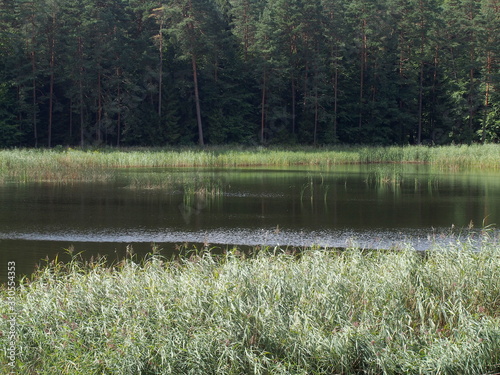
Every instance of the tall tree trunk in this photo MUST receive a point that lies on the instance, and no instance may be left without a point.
(118, 131)
(489, 59)
(160, 75)
(51, 90)
(70, 118)
(35, 114)
(293, 104)
(315, 136)
(472, 57)
(434, 86)
(119, 117)
(306, 77)
(19, 111)
(362, 71)
(421, 71)
(420, 102)
(80, 89)
(197, 100)
(33, 72)
(335, 101)
(99, 108)
(263, 108)
(471, 98)
(335, 79)
(246, 32)
(401, 70)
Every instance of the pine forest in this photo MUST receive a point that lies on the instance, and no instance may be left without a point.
(248, 72)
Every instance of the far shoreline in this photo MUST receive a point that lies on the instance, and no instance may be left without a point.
(94, 164)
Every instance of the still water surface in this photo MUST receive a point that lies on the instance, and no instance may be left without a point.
(376, 206)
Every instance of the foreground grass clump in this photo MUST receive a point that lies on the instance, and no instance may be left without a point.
(323, 312)
(64, 165)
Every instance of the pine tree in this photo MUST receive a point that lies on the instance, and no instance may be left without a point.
(244, 16)
(190, 27)
(463, 67)
(488, 25)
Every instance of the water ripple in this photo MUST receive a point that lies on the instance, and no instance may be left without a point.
(420, 239)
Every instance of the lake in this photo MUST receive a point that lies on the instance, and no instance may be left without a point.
(373, 206)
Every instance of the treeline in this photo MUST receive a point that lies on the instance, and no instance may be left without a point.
(141, 72)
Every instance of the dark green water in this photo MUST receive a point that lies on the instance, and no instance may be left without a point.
(378, 206)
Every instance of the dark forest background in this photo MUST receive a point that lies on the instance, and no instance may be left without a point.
(150, 73)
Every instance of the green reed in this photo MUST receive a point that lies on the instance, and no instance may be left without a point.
(386, 175)
(276, 312)
(89, 165)
(202, 193)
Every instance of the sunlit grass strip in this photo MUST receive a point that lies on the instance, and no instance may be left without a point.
(323, 312)
(88, 165)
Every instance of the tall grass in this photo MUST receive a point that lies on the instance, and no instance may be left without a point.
(322, 312)
(71, 165)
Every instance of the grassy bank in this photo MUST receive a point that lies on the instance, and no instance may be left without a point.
(322, 313)
(74, 164)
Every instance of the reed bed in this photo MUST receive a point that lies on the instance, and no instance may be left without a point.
(276, 312)
(90, 165)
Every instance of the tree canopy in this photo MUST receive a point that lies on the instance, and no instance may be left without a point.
(169, 72)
